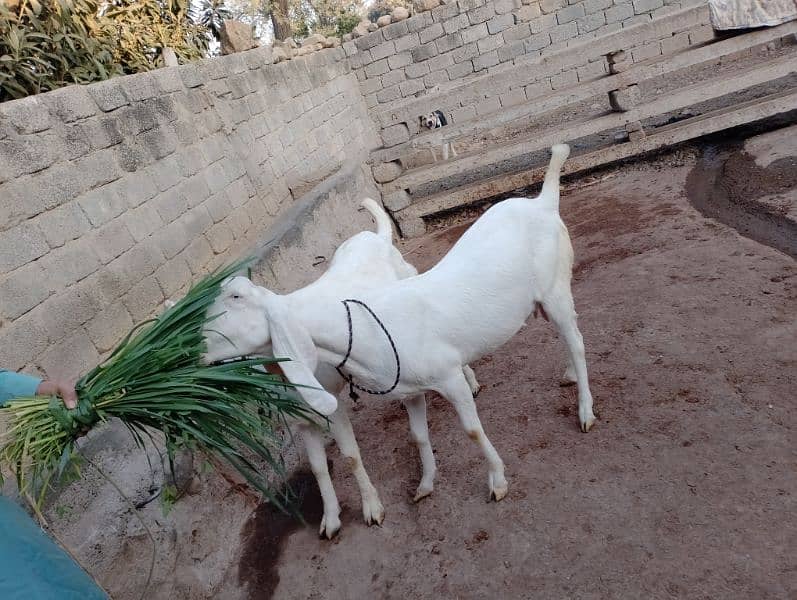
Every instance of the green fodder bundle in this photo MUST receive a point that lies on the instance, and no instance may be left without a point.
(154, 381)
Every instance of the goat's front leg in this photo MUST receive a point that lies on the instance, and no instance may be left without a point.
(340, 425)
(419, 428)
(457, 391)
(316, 454)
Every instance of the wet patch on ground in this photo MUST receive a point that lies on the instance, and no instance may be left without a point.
(268, 529)
(727, 185)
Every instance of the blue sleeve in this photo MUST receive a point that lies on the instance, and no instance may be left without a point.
(33, 567)
(17, 385)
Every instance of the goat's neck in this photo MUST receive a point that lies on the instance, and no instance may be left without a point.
(324, 318)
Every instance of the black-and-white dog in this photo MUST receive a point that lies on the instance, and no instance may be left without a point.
(435, 120)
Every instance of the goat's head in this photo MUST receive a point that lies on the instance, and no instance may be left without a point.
(238, 324)
(246, 319)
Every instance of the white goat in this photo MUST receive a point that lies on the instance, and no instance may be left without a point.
(515, 259)
(365, 261)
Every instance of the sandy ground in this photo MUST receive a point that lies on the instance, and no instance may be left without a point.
(686, 285)
(684, 489)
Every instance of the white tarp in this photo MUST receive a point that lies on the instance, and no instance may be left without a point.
(744, 14)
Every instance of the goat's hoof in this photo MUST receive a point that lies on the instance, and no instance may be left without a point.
(373, 511)
(586, 424)
(498, 494)
(498, 491)
(329, 527)
(422, 493)
(475, 390)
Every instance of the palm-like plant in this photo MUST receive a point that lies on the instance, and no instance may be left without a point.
(46, 45)
(145, 27)
(154, 382)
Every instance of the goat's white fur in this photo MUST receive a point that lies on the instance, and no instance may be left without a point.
(514, 259)
(365, 261)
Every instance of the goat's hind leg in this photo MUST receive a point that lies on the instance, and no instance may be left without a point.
(570, 377)
(561, 310)
(317, 455)
(419, 429)
(474, 385)
(457, 391)
(340, 425)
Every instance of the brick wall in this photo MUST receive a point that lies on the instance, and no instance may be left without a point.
(462, 39)
(532, 75)
(117, 195)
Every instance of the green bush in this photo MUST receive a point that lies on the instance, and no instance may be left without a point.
(347, 21)
(144, 27)
(47, 45)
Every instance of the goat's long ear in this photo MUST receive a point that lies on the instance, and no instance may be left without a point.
(291, 340)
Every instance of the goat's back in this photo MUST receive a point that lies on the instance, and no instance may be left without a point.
(483, 290)
(517, 237)
(364, 261)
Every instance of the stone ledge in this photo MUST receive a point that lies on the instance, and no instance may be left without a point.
(536, 67)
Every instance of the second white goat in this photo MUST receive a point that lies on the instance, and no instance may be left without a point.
(416, 334)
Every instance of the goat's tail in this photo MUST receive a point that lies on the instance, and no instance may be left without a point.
(384, 226)
(550, 187)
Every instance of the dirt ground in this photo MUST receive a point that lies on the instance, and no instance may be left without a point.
(684, 487)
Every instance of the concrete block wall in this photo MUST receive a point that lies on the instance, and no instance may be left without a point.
(305, 237)
(531, 75)
(115, 196)
(460, 40)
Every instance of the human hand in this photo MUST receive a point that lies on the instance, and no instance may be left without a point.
(64, 389)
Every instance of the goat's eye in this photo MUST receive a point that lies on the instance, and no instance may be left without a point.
(236, 297)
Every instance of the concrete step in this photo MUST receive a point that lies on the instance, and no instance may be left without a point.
(782, 104)
(415, 180)
(531, 68)
(656, 68)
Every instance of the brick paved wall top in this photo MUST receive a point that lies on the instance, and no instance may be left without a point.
(115, 196)
(463, 39)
